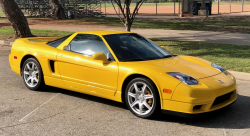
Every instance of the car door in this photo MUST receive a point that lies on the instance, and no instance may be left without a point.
(79, 70)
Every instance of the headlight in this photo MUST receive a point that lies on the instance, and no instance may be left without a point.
(219, 68)
(186, 79)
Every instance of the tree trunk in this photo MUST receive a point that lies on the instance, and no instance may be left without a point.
(57, 9)
(16, 18)
(128, 17)
(128, 27)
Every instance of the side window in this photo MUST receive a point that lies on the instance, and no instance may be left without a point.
(87, 44)
(57, 42)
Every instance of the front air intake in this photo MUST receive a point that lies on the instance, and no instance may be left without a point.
(222, 98)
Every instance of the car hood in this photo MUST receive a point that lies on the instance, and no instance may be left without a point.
(195, 67)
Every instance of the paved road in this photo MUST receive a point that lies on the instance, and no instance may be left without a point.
(61, 112)
(181, 35)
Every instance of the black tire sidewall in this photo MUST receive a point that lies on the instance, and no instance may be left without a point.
(156, 105)
(41, 81)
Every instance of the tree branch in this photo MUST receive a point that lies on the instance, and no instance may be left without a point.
(136, 12)
(136, 8)
(122, 10)
(116, 11)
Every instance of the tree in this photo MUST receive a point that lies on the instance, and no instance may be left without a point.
(16, 18)
(128, 17)
(57, 9)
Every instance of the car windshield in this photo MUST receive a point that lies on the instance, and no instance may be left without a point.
(133, 47)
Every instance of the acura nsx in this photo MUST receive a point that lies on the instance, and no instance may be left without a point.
(124, 67)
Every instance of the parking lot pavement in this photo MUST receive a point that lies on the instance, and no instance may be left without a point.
(56, 111)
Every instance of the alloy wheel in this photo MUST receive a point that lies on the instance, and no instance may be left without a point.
(140, 98)
(31, 74)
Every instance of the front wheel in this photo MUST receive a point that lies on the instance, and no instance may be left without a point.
(32, 74)
(142, 98)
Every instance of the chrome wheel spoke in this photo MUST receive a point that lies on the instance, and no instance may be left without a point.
(28, 66)
(134, 103)
(148, 97)
(136, 89)
(36, 72)
(132, 94)
(146, 105)
(33, 66)
(36, 80)
(28, 79)
(32, 81)
(140, 107)
(26, 73)
(144, 88)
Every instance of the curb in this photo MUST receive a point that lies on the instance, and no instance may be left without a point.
(2, 42)
(238, 75)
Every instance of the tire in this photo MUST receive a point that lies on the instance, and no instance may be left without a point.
(32, 74)
(142, 98)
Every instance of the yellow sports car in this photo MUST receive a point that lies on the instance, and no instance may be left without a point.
(124, 67)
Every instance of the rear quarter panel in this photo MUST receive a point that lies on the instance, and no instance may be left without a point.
(42, 52)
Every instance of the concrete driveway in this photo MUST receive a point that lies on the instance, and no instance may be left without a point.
(61, 112)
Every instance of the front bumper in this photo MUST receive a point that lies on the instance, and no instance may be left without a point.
(189, 108)
(189, 115)
(208, 96)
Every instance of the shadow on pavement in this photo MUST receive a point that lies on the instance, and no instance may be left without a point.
(235, 116)
(85, 96)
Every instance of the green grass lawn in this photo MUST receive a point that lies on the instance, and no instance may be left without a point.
(1, 12)
(8, 33)
(156, 24)
(231, 57)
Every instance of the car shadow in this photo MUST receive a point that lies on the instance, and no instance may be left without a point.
(85, 96)
(235, 116)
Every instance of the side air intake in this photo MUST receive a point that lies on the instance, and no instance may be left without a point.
(52, 65)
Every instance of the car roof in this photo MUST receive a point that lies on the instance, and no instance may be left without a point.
(104, 32)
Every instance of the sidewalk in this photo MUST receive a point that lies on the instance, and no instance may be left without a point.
(181, 35)
(215, 15)
(240, 75)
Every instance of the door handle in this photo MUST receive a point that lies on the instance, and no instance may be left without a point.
(61, 55)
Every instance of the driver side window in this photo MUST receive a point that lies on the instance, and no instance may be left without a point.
(87, 44)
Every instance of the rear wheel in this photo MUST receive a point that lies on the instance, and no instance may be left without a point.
(142, 98)
(32, 74)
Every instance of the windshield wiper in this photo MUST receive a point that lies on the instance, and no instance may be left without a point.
(135, 59)
(167, 56)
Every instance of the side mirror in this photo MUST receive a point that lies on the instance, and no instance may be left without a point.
(100, 56)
